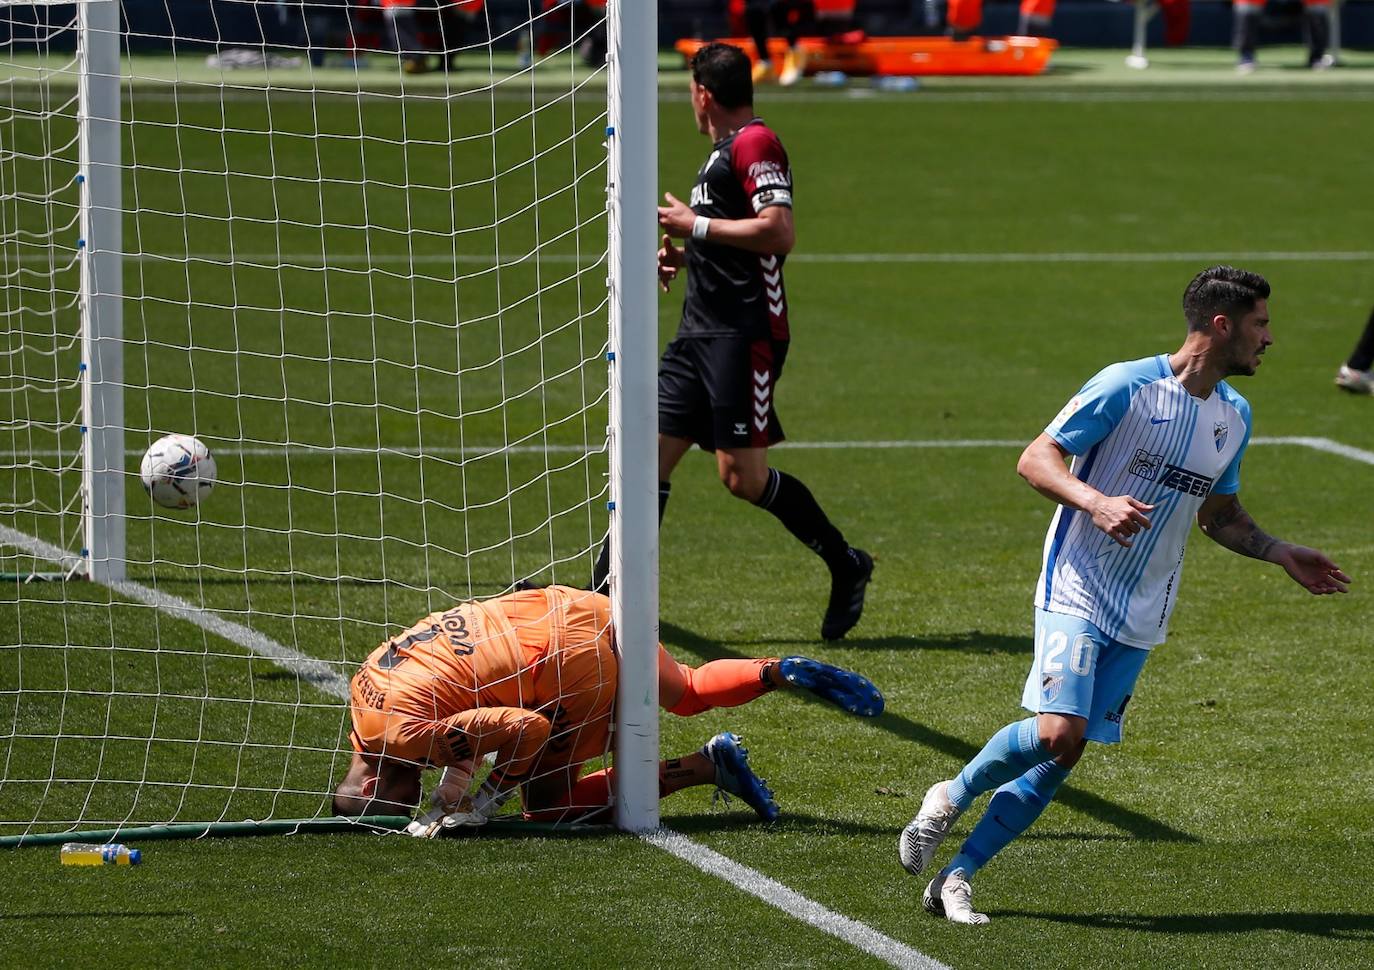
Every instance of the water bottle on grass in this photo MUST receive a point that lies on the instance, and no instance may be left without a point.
(88, 854)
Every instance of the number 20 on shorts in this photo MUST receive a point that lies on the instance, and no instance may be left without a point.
(1050, 647)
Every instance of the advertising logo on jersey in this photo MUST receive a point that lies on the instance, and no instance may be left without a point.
(1145, 465)
(1182, 480)
(767, 173)
(1152, 469)
(1219, 434)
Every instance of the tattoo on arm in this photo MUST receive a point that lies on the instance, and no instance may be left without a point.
(1232, 528)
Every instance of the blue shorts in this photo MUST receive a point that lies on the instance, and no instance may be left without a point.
(1080, 670)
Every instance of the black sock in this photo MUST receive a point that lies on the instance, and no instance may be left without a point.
(1318, 36)
(1363, 357)
(756, 17)
(1245, 36)
(797, 509)
(602, 569)
(795, 19)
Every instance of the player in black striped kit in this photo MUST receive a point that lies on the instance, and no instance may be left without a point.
(717, 377)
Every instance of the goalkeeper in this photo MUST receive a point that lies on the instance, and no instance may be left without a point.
(531, 678)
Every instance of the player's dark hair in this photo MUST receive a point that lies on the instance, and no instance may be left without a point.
(1222, 289)
(725, 71)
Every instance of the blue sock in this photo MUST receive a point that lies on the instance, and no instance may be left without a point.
(1006, 756)
(1013, 808)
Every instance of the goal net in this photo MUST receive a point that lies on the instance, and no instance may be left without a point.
(366, 253)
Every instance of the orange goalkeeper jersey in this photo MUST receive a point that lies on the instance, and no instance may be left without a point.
(530, 675)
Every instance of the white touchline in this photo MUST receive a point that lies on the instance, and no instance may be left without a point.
(793, 903)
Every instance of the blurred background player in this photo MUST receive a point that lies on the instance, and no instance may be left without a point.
(963, 18)
(792, 19)
(1246, 15)
(1357, 373)
(717, 378)
(458, 22)
(579, 24)
(531, 677)
(1155, 443)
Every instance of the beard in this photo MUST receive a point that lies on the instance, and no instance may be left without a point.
(1242, 366)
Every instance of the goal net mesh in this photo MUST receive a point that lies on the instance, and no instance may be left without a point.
(365, 262)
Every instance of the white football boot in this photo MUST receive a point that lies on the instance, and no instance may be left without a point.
(922, 836)
(950, 895)
(1355, 381)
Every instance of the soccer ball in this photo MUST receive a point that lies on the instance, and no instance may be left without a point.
(178, 471)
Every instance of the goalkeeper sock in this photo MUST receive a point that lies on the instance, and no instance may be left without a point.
(1013, 808)
(722, 683)
(1009, 753)
(1363, 357)
(797, 509)
(602, 569)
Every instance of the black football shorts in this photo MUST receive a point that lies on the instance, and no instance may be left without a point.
(718, 391)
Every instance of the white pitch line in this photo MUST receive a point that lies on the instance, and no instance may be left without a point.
(856, 934)
(769, 890)
(309, 669)
(322, 676)
(1328, 446)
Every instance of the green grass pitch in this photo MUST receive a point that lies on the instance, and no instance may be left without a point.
(1231, 829)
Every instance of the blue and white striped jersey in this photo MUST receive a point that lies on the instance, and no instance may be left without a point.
(1135, 430)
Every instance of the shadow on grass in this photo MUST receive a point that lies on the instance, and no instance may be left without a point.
(1341, 926)
(1137, 825)
(971, 641)
(1060, 69)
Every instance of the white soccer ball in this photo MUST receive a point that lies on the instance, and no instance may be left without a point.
(178, 471)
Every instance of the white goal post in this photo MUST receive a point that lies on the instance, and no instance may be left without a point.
(401, 282)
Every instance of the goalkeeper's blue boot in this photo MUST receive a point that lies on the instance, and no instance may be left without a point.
(735, 777)
(843, 688)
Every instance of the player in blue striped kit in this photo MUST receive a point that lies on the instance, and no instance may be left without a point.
(1155, 444)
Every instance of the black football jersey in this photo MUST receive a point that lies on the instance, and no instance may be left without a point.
(731, 290)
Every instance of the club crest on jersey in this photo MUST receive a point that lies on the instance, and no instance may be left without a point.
(1049, 687)
(1219, 433)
